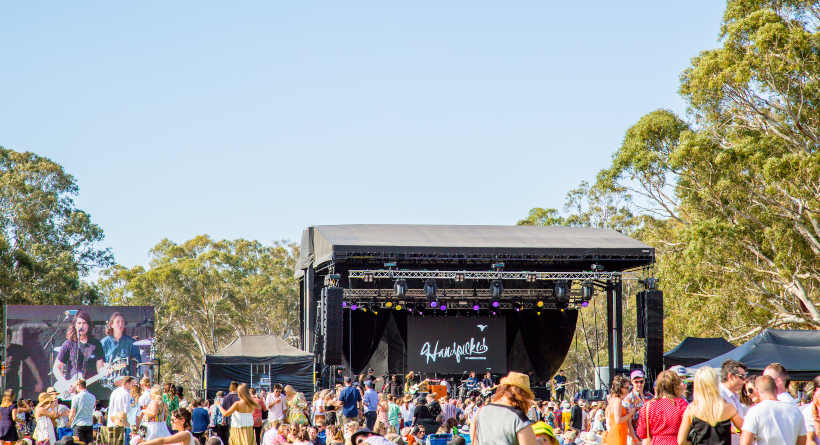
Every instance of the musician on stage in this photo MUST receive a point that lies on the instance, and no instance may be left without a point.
(487, 383)
(558, 383)
(472, 381)
(119, 345)
(411, 379)
(81, 355)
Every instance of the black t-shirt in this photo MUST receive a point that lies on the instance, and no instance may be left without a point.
(421, 412)
(81, 357)
(435, 408)
(15, 355)
(576, 417)
(227, 403)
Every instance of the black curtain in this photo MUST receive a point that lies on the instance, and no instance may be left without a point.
(366, 330)
(547, 338)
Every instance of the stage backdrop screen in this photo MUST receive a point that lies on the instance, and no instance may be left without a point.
(457, 344)
(88, 341)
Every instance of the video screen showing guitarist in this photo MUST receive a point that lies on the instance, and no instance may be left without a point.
(119, 348)
(81, 357)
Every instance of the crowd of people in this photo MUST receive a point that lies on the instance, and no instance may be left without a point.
(725, 406)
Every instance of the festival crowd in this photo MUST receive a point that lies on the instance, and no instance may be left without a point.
(726, 406)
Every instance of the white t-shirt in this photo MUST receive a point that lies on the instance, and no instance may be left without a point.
(808, 417)
(774, 423)
(786, 397)
(278, 410)
(62, 421)
(407, 413)
(120, 402)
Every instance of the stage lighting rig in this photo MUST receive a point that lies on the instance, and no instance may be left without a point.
(498, 266)
(597, 267)
(354, 307)
(476, 306)
(531, 277)
(332, 280)
(496, 289)
(562, 290)
(400, 288)
(587, 290)
(458, 277)
(368, 277)
(649, 283)
(430, 290)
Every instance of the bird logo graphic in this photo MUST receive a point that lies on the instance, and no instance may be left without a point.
(482, 326)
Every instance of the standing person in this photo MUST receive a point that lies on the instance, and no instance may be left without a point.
(781, 379)
(134, 412)
(558, 382)
(180, 421)
(733, 376)
(81, 416)
(350, 398)
(707, 419)
(241, 414)
(660, 418)
(46, 413)
(575, 416)
(371, 402)
(772, 422)
(118, 345)
(143, 400)
(121, 400)
(169, 396)
(394, 415)
(257, 417)
(421, 413)
(598, 418)
(155, 414)
(618, 417)
(638, 396)
(407, 408)
(217, 420)
(504, 420)
(296, 404)
(199, 420)
(81, 355)
(8, 414)
(276, 404)
(394, 386)
(227, 403)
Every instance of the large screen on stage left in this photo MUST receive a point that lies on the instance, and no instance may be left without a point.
(101, 344)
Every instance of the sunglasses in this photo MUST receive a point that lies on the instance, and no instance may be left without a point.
(639, 382)
(742, 376)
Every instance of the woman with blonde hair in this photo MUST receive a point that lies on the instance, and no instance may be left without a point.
(619, 419)
(46, 414)
(8, 414)
(659, 419)
(504, 421)
(707, 419)
(296, 406)
(155, 415)
(181, 422)
(241, 413)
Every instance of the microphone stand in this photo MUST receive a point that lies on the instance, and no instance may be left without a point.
(50, 346)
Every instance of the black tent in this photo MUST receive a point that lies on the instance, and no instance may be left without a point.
(692, 351)
(797, 351)
(260, 360)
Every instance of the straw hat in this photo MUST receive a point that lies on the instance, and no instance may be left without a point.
(519, 380)
(591, 438)
(52, 391)
(44, 399)
(121, 419)
(408, 397)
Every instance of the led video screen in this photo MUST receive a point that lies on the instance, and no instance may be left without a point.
(453, 345)
(54, 346)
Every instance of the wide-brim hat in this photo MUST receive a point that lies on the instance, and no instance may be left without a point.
(518, 380)
(361, 431)
(543, 428)
(591, 438)
(45, 398)
(408, 397)
(121, 419)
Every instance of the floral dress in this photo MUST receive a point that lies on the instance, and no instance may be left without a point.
(172, 405)
(296, 409)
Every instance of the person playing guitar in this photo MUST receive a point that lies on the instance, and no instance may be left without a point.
(80, 355)
(472, 381)
(558, 383)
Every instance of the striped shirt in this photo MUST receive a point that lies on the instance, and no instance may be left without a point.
(449, 410)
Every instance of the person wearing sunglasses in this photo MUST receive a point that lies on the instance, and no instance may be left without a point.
(180, 421)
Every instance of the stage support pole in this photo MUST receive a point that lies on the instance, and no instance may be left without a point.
(615, 325)
(619, 324)
(610, 323)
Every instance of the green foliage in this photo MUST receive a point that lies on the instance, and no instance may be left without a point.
(207, 292)
(47, 245)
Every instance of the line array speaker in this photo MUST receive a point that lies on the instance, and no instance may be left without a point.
(639, 309)
(333, 326)
(654, 328)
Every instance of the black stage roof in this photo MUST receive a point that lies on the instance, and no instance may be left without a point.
(322, 245)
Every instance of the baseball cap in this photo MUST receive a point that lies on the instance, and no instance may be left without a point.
(636, 374)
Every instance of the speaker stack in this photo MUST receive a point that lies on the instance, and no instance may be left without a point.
(333, 326)
(653, 328)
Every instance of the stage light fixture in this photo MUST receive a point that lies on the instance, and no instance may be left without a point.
(388, 304)
(496, 303)
(585, 304)
(391, 264)
(354, 307)
(459, 277)
(434, 304)
(400, 288)
(430, 290)
(476, 306)
(597, 267)
(517, 306)
(587, 289)
(368, 277)
(561, 289)
(496, 289)
(398, 307)
(531, 277)
(344, 304)
(538, 313)
(540, 303)
(443, 306)
(498, 266)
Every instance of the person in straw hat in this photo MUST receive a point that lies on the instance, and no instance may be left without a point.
(407, 408)
(119, 424)
(504, 419)
(46, 413)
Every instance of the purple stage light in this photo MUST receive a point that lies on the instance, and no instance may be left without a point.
(433, 303)
(344, 304)
(585, 304)
(476, 307)
(443, 307)
(354, 306)
(495, 304)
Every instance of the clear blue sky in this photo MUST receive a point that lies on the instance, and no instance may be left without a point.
(257, 119)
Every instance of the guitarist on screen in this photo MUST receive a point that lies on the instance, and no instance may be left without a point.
(81, 356)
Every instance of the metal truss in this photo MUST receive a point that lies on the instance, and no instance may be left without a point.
(469, 306)
(493, 275)
(469, 294)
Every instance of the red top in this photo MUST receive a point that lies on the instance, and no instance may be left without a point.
(664, 420)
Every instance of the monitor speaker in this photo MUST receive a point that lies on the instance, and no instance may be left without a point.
(654, 328)
(333, 326)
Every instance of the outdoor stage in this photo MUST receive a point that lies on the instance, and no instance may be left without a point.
(375, 295)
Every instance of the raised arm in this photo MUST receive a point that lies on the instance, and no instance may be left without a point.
(177, 438)
(230, 410)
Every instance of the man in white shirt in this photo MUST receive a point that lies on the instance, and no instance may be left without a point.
(781, 379)
(772, 422)
(275, 403)
(808, 420)
(733, 376)
(120, 402)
